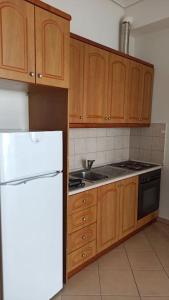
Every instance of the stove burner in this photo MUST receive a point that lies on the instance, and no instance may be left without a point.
(133, 165)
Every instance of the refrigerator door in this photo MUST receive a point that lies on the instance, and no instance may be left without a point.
(25, 154)
(32, 239)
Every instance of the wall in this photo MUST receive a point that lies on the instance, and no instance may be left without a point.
(154, 47)
(94, 19)
(103, 145)
(148, 12)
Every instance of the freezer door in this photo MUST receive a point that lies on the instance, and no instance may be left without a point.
(25, 154)
(32, 239)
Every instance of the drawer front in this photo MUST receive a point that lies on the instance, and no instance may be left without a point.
(81, 219)
(81, 237)
(81, 201)
(80, 256)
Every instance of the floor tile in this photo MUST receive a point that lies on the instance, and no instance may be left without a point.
(138, 242)
(57, 297)
(92, 266)
(117, 283)
(167, 271)
(152, 283)
(81, 298)
(115, 260)
(144, 260)
(121, 298)
(83, 283)
(163, 255)
(154, 298)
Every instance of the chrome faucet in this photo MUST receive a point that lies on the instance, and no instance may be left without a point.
(89, 164)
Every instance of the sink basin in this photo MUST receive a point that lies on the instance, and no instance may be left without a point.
(89, 175)
(110, 171)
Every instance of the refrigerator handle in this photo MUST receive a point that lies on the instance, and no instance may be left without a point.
(25, 180)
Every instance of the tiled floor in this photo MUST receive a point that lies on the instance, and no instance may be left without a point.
(138, 269)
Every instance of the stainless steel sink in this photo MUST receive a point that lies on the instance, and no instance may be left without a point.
(89, 175)
(110, 171)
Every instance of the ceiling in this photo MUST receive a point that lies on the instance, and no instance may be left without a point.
(126, 3)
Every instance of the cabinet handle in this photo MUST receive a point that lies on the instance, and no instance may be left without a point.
(84, 255)
(40, 75)
(84, 219)
(106, 118)
(32, 74)
(84, 201)
(84, 237)
(109, 118)
(81, 117)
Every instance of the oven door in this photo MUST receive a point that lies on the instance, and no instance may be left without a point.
(149, 196)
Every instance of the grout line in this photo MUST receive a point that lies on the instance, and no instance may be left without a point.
(99, 280)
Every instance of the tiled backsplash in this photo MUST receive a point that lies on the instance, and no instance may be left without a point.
(105, 145)
(148, 144)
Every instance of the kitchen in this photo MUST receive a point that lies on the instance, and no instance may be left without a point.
(108, 133)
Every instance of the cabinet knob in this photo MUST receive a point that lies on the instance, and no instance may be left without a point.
(81, 117)
(109, 118)
(106, 118)
(84, 201)
(84, 219)
(84, 255)
(40, 75)
(84, 237)
(32, 74)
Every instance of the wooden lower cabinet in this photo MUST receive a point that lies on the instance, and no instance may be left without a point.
(112, 217)
(128, 206)
(107, 216)
(82, 255)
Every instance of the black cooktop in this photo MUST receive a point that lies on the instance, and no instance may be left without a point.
(133, 165)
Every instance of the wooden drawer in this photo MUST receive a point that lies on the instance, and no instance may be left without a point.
(81, 219)
(81, 255)
(81, 201)
(81, 237)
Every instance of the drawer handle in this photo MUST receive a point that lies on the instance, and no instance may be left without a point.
(84, 201)
(84, 219)
(84, 255)
(84, 237)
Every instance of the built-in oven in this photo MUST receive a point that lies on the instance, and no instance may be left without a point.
(149, 193)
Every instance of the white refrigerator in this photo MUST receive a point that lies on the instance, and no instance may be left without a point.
(31, 214)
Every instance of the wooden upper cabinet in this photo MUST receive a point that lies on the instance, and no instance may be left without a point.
(76, 81)
(148, 75)
(52, 49)
(128, 206)
(107, 216)
(17, 48)
(95, 84)
(134, 99)
(117, 90)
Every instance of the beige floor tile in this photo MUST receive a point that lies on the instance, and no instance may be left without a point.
(92, 266)
(81, 297)
(152, 283)
(154, 298)
(121, 298)
(163, 255)
(117, 283)
(84, 283)
(115, 260)
(144, 260)
(138, 242)
(167, 271)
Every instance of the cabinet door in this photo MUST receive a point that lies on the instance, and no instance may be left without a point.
(118, 80)
(148, 74)
(52, 49)
(95, 84)
(17, 49)
(128, 206)
(107, 216)
(134, 99)
(76, 81)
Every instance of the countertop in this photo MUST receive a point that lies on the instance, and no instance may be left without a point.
(93, 185)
